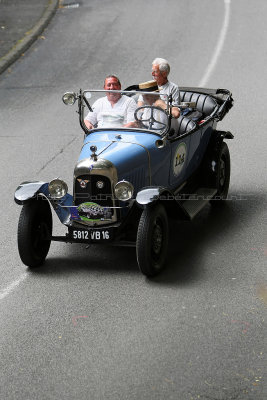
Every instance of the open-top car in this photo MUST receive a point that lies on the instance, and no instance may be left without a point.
(131, 178)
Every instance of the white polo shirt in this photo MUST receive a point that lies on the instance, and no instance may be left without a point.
(171, 88)
(107, 116)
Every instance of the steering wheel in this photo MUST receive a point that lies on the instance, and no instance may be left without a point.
(149, 122)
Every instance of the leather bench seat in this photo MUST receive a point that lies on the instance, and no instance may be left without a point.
(182, 125)
(204, 103)
(185, 125)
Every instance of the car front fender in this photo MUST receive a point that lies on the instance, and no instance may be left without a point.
(29, 191)
(151, 195)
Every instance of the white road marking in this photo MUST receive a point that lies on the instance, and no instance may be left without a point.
(219, 45)
(7, 290)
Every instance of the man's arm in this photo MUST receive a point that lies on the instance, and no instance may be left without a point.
(131, 107)
(88, 124)
(163, 105)
(175, 101)
(91, 118)
(140, 101)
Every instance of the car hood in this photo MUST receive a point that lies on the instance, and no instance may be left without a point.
(104, 139)
(130, 157)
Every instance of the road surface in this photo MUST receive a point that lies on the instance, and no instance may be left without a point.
(87, 324)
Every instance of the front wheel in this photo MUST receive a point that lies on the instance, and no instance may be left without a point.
(34, 232)
(222, 176)
(152, 240)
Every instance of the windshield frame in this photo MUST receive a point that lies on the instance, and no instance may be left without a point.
(85, 106)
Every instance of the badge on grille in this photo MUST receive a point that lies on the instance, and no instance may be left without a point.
(83, 183)
(93, 212)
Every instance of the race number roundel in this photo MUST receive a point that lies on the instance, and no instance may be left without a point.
(179, 159)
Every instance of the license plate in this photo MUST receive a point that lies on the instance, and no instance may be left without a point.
(96, 235)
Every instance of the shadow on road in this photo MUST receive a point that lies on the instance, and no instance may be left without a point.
(188, 242)
(94, 258)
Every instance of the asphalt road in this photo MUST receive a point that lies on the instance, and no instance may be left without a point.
(88, 325)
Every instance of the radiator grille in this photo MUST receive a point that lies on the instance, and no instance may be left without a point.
(87, 190)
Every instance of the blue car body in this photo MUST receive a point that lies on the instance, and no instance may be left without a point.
(167, 167)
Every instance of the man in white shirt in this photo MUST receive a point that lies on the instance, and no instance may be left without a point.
(160, 72)
(114, 110)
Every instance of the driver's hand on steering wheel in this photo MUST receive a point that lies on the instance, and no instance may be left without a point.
(133, 124)
(88, 124)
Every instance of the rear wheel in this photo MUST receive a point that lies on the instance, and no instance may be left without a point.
(34, 232)
(152, 240)
(222, 176)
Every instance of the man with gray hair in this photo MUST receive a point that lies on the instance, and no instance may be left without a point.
(160, 72)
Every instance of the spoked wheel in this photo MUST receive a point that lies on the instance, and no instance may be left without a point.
(152, 240)
(223, 176)
(34, 232)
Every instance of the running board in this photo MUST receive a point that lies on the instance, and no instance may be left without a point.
(198, 200)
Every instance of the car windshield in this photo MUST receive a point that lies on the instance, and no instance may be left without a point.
(135, 110)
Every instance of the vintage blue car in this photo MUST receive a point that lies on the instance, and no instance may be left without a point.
(129, 180)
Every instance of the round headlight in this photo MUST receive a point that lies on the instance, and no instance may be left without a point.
(69, 98)
(57, 188)
(124, 190)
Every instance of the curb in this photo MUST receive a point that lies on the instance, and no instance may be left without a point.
(23, 44)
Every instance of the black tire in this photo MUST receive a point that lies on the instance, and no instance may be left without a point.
(152, 240)
(34, 232)
(222, 176)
